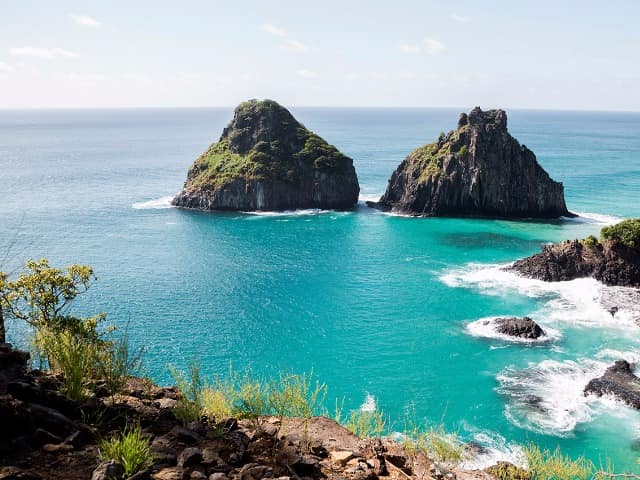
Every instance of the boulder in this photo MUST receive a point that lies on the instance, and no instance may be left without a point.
(618, 381)
(110, 470)
(519, 327)
(266, 160)
(476, 170)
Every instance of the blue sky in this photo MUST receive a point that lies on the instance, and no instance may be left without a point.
(512, 54)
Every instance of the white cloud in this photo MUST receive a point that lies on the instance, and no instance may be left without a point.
(432, 46)
(5, 67)
(428, 45)
(297, 46)
(85, 20)
(407, 48)
(352, 76)
(307, 73)
(273, 30)
(41, 52)
(460, 18)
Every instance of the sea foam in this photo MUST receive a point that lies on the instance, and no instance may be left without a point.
(155, 204)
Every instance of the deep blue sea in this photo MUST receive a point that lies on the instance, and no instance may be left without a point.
(380, 307)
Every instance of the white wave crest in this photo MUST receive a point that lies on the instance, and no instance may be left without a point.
(486, 328)
(595, 218)
(155, 204)
(548, 397)
(369, 404)
(583, 301)
(290, 213)
(493, 448)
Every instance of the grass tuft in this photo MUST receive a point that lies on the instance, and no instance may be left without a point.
(129, 447)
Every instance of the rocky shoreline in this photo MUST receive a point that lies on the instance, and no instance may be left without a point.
(46, 435)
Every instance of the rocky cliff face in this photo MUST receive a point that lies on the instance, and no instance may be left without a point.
(478, 169)
(611, 262)
(266, 160)
(618, 381)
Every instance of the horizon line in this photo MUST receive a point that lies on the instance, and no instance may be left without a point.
(363, 107)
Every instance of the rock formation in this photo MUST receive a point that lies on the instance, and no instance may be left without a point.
(615, 260)
(619, 381)
(518, 327)
(478, 169)
(266, 160)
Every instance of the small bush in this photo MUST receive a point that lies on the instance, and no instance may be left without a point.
(547, 465)
(590, 241)
(130, 447)
(366, 424)
(297, 396)
(626, 232)
(189, 406)
(508, 471)
(117, 363)
(435, 442)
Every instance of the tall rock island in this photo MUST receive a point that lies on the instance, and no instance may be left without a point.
(266, 160)
(478, 169)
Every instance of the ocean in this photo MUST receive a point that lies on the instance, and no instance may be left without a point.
(385, 309)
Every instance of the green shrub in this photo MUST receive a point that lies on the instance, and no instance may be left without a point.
(434, 442)
(189, 405)
(626, 232)
(508, 471)
(590, 241)
(547, 465)
(129, 447)
(366, 424)
(463, 151)
(297, 395)
(72, 355)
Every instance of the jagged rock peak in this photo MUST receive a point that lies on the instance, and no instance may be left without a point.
(476, 170)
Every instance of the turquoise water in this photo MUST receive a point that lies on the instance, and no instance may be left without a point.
(376, 305)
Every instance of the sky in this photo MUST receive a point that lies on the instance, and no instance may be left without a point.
(560, 54)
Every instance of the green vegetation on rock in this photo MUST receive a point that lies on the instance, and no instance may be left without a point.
(263, 142)
(130, 448)
(626, 232)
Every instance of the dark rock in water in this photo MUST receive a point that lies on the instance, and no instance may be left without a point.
(479, 170)
(619, 381)
(610, 262)
(519, 327)
(266, 160)
(613, 311)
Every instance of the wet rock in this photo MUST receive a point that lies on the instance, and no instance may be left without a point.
(610, 262)
(618, 381)
(110, 470)
(519, 327)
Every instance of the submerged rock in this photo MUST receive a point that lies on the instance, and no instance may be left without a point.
(518, 327)
(478, 169)
(614, 261)
(266, 160)
(619, 381)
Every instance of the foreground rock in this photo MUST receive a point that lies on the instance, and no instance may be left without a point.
(614, 261)
(478, 169)
(266, 160)
(518, 327)
(44, 436)
(618, 381)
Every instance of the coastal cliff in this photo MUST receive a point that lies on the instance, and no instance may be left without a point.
(266, 160)
(613, 260)
(478, 169)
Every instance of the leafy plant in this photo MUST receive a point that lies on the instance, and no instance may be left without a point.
(129, 447)
(626, 232)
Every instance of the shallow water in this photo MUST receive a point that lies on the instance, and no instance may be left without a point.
(378, 306)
